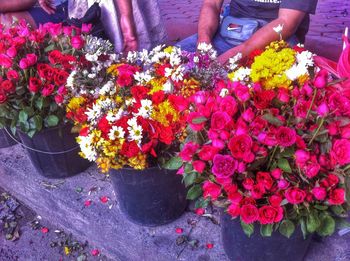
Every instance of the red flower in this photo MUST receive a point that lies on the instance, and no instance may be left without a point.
(198, 166)
(158, 97)
(188, 151)
(12, 75)
(285, 136)
(234, 210)
(200, 211)
(104, 199)
(130, 149)
(138, 92)
(195, 120)
(44, 230)
(337, 196)
(265, 179)
(319, 193)
(210, 245)
(207, 153)
(87, 203)
(219, 120)
(3, 97)
(166, 135)
(60, 78)
(7, 86)
(275, 200)
(241, 146)
(270, 215)
(262, 99)
(340, 152)
(34, 84)
(295, 195)
(47, 90)
(55, 57)
(228, 105)
(104, 126)
(77, 42)
(249, 213)
(179, 230)
(211, 190)
(95, 252)
(124, 79)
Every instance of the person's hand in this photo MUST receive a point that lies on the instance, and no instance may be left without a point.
(129, 34)
(48, 6)
(224, 58)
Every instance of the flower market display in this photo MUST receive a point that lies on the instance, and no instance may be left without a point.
(132, 111)
(271, 145)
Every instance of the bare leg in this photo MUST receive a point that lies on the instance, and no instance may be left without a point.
(15, 5)
(7, 18)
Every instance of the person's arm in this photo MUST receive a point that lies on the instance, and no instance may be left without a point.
(209, 20)
(289, 18)
(16, 5)
(127, 24)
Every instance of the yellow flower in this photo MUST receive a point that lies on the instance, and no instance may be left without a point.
(169, 49)
(75, 103)
(157, 84)
(104, 164)
(165, 113)
(270, 67)
(113, 69)
(139, 162)
(190, 87)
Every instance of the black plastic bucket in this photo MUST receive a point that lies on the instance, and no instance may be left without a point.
(54, 152)
(240, 247)
(5, 139)
(150, 197)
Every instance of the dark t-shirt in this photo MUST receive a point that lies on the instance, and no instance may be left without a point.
(268, 10)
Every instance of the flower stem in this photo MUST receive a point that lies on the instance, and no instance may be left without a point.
(316, 132)
(312, 103)
(272, 156)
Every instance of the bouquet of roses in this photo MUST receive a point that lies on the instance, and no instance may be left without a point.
(272, 146)
(135, 112)
(35, 65)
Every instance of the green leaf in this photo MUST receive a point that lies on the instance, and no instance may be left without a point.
(312, 221)
(266, 230)
(39, 103)
(303, 227)
(38, 122)
(173, 164)
(194, 192)
(188, 168)
(287, 228)
(288, 152)
(321, 207)
(272, 119)
(23, 116)
(284, 165)
(49, 48)
(338, 210)
(202, 202)
(327, 226)
(190, 178)
(52, 121)
(199, 120)
(248, 229)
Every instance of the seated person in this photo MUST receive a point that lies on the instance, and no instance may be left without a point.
(15, 8)
(293, 15)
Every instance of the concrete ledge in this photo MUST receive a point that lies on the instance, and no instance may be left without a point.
(61, 202)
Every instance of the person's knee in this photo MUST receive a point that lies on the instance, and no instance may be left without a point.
(188, 44)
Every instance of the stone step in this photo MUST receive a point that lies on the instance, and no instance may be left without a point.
(61, 202)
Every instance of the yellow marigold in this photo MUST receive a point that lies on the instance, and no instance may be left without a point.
(113, 69)
(190, 87)
(75, 103)
(269, 68)
(118, 163)
(138, 162)
(165, 113)
(157, 84)
(169, 49)
(303, 79)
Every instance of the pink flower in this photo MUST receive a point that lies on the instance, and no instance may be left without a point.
(47, 90)
(301, 109)
(77, 42)
(179, 230)
(5, 61)
(24, 63)
(311, 169)
(219, 120)
(86, 28)
(283, 184)
(207, 152)
(285, 136)
(95, 252)
(200, 211)
(104, 199)
(341, 152)
(199, 97)
(32, 59)
(320, 81)
(223, 166)
(249, 213)
(241, 91)
(211, 190)
(319, 193)
(283, 95)
(218, 144)
(44, 230)
(12, 75)
(87, 203)
(59, 99)
(188, 151)
(196, 120)
(301, 157)
(234, 210)
(265, 179)
(248, 183)
(11, 52)
(323, 109)
(228, 105)
(295, 195)
(248, 115)
(198, 166)
(275, 200)
(276, 173)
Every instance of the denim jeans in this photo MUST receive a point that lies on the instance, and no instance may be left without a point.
(189, 44)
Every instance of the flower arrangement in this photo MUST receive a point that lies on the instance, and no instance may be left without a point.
(35, 65)
(135, 115)
(272, 145)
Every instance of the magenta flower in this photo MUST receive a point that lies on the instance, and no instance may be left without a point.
(224, 166)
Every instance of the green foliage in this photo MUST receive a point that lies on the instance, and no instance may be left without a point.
(248, 229)
(266, 230)
(194, 192)
(173, 164)
(287, 228)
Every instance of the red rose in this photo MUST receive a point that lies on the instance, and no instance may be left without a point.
(332, 180)
(124, 79)
(12, 75)
(270, 215)
(248, 183)
(3, 97)
(207, 152)
(61, 78)
(158, 97)
(285, 136)
(295, 195)
(77, 42)
(55, 57)
(166, 135)
(211, 190)
(262, 99)
(337, 196)
(228, 105)
(47, 90)
(130, 149)
(249, 213)
(41, 67)
(219, 120)
(258, 191)
(34, 84)
(198, 166)
(241, 146)
(7, 86)
(319, 193)
(275, 200)
(5, 61)
(340, 152)
(265, 179)
(49, 73)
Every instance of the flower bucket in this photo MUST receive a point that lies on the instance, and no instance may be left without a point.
(149, 197)
(54, 152)
(5, 139)
(238, 246)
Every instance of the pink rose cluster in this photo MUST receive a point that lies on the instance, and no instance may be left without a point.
(264, 153)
